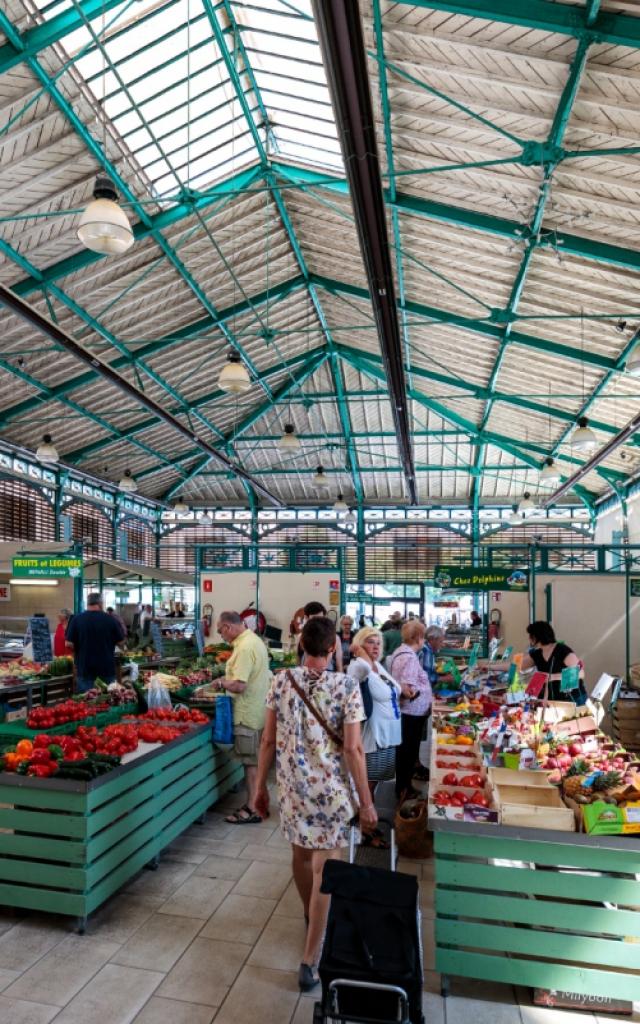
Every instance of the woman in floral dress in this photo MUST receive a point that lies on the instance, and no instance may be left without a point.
(313, 726)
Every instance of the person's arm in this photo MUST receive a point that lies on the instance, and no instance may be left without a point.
(357, 767)
(571, 661)
(405, 671)
(339, 658)
(265, 760)
(527, 662)
(242, 666)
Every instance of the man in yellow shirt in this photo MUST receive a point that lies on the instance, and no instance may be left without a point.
(247, 679)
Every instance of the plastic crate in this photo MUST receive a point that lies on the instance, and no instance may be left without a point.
(20, 730)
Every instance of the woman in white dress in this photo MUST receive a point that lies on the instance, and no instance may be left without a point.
(382, 730)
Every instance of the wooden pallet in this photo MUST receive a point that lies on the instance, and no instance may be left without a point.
(66, 846)
(529, 923)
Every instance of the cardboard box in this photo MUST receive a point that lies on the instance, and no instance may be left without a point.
(602, 819)
(511, 777)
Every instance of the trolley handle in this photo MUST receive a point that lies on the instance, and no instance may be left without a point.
(337, 983)
(355, 821)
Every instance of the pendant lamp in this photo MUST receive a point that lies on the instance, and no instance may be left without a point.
(515, 518)
(289, 441)
(234, 376)
(526, 504)
(205, 519)
(104, 226)
(320, 478)
(340, 504)
(351, 516)
(583, 438)
(180, 508)
(127, 483)
(550, 473)
(47, 452)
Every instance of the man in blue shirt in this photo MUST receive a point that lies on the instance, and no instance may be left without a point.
(94, 636)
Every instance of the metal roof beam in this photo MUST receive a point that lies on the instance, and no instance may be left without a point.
(212, 396)
(94, 148)
(545, 16)
(160, 345)
(296, 380)
(436, 467)
(341, 40)
(53, 31)
(60, 337)
(484, 327)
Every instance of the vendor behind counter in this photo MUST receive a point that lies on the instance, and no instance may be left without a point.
(547, 655)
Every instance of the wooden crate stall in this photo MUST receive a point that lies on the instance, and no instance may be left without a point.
(538, 909)
(66, 846)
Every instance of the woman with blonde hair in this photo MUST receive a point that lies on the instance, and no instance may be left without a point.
(415, 703)
(382, 731)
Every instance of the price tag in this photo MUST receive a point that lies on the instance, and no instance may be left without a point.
(537, 684)
(41, 639)
(512, 678)
(569, 679)
(508, 651)
(601, 687)
(453, 669)
(473, 658)
(200, 639)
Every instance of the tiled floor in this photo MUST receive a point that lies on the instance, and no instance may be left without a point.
(215, 933)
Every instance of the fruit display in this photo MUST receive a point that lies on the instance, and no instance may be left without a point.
(60, 667)
(20, 670)
(50, 715)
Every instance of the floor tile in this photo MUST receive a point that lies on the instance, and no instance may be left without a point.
(67, 968)
(277, 839)
(121, 916)
(19, 1011)
(239, 919)
(163, 881)
(24, 944)
(409, 867)
(7, 977)
(461, 1010)
(263, 878)
(269, 854)
(290, 904)
(259, 995)
(222, 867)
(433, 1008)
(304, 1011)
(200, 849)
(170, 1011)
(551, 1015)
(114, 996)
(251, 833)
(280, 946)
(198, 897)
(158, 945)
(205, 973)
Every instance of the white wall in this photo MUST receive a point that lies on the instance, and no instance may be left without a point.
(589, 614)
(280, 593)
(612, 520)
(515, 618)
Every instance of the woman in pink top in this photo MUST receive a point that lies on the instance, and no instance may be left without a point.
(415, 703)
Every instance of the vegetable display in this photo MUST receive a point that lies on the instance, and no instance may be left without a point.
(47, 716)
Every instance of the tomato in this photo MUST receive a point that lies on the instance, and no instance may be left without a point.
(41, 756)
(458, 800)
(458, 795)
(479, 798)
(471, 781)
(442, 799)
(451, 779)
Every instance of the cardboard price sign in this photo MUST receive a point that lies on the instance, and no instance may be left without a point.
(537, 684)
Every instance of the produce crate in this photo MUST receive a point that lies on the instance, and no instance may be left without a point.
(533, 807)
(625, 717)
(505, 910)
(66, 846)
(20, 731)
(34, 692)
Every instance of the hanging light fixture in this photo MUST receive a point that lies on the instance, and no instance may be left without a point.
(320, 478)
(515, 518)
(550, 474)
(205, 519)
(583, 438)
(351, 516)
(289, 442)
(632, 365)
(340, 504)
(526, 504)
(47, 452)
(234, 376)
(180, 508)
(127, 483)
(104, 226)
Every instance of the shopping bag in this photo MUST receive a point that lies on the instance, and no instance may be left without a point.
(223, 721)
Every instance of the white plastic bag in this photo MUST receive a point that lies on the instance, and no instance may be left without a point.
(158, 696)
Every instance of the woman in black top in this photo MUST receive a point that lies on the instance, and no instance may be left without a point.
(547, 655)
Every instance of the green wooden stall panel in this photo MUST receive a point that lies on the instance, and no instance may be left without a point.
(526, 912)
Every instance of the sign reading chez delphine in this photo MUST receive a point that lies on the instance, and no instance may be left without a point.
(472, 577)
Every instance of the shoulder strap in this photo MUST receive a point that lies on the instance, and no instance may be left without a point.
(330, 731)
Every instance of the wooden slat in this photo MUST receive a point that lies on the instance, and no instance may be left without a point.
(540, 883)
(20, 845)
(514, 971)
(32, 898)
(30, 872)
(552, 854)
(538, 944)
(578, 917)
(41, 822)
(32, 795)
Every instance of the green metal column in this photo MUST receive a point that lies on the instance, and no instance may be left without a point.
(360, 548)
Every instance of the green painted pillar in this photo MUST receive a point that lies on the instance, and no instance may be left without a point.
(360, 545)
